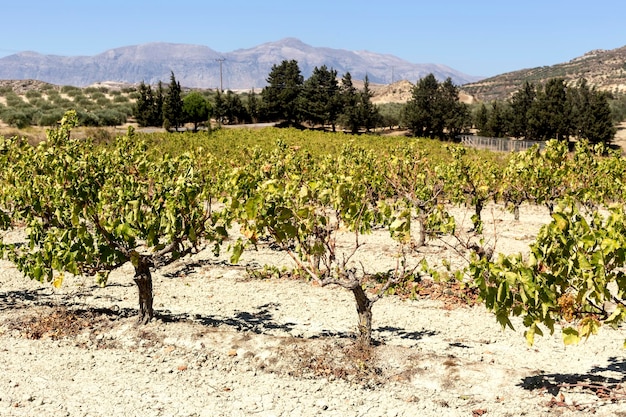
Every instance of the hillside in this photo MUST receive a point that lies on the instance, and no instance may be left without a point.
(605, 69)
(198, 66)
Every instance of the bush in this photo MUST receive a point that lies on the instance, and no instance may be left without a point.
(100, 135)
(50, 118)
(88, 118)
(120, 99)
(67, 89)
(17, 118)
(103, 101)
(109, 117)
(97, 95)
(13, 100)
(32, 94)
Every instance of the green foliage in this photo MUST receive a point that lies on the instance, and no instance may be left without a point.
(229, 108)
(281, 97)
(369, 115)
(321, 95)
(574, 273)
(434, 110)
(173, 104)
(147, 109)
(351, 116)
(46, 107)
(90, 207)
(554, 111)
(89, 210)
(301, 204)
(391, 114)
(471, 179)
(196, 109)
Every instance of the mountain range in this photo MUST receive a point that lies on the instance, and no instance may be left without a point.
(197, 66)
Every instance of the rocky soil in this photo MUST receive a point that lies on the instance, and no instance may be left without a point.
(227, 344)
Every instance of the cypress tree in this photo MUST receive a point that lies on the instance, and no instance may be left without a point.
(173, 104)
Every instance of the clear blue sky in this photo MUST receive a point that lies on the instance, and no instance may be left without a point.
(476, 37)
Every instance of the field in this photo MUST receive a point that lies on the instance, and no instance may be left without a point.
(252, 338)
(225, 344)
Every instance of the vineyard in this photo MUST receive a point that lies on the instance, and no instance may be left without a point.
(71, 207)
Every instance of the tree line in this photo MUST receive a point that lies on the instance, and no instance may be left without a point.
(552, 111)
(535, 112)
(320, 100)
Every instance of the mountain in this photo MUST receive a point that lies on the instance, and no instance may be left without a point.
(197, 66)
(604, 69)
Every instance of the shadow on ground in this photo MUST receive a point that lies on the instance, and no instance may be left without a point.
(261, 320)
(606, 382)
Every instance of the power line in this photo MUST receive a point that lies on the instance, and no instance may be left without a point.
(221, 60)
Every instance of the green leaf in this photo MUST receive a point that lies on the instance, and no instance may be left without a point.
(570, 336)
(102, 277)
(503, 292)
(237, 250)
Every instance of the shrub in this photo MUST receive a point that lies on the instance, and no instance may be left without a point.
(17, 118)
(50, 118)
(32, 94)
(120, 99)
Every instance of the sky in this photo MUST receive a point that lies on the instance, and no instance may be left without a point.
(481, 38)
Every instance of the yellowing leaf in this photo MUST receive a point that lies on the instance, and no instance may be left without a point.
(560, 220)
(570, 336)
(58, 280)
(588, 326)
(530, 334)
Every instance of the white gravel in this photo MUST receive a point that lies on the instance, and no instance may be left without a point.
(226, 345)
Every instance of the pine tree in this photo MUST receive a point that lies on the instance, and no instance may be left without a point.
(370, 116)
(253, 107)
(350, 118)
(144, 105)
(157, 111)
(497, 121)
(281, 97)
(421, 108)
(454, 116)
(196, 109)
(173, 104)
(521, 105)
(481, 118)
(552, 111)
(591, 113)
(321, 97)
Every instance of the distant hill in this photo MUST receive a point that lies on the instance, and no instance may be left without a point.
(197, 66)
(604, 69)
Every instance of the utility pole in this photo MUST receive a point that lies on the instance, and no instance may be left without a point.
(221, 60)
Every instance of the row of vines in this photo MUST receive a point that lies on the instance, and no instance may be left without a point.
(86, 210)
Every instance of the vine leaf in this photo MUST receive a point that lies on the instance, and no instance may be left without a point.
(570, 336)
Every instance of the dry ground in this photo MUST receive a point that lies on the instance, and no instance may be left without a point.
(225, 343)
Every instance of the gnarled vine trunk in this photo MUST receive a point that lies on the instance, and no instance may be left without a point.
(364, 309)
(516, 212)
(143, 279)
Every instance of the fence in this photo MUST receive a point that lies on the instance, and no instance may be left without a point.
(499, 144)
